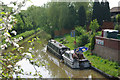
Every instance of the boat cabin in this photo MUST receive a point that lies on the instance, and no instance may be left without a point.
(70, 61)
(56, 48)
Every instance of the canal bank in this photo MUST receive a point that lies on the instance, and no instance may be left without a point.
(26, 38)
(104, 65)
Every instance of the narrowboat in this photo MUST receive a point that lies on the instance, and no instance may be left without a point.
(79, 63)
(56, 48)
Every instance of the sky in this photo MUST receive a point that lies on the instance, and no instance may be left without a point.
(112, 3)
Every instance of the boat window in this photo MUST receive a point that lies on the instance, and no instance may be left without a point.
(67, 55)
(65, 49)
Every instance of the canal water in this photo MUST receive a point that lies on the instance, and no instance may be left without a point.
(53, 67)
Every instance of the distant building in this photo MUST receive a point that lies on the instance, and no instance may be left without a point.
(115, 10)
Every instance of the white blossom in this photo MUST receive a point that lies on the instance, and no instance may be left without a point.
(16, 40)
(6, 34)
(27, 55)
(3, 46)
(3, 25)
(7, 40)
(20, 38)
(9, 66)
(9, 26)
(30, 50)
(14, 32)
(15, 44)
(20, 48)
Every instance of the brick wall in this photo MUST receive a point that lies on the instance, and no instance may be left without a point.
(107, 48)
(110, 43)
(61, 32)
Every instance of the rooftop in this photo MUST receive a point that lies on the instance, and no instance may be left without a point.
(115, 9)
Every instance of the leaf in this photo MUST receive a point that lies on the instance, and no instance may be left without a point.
(13, 49)
(0, 19)
(37, 38)
(14, 3)
(2, 12)
(40, 75)
(39, 41)
(31, 59)
(29, 41)
(33, 47)
(33, 55)
(1, 61)
(30, 73)
(30, 1)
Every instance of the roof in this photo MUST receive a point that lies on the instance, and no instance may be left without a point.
(57, 44)
(107, 25)
(70, 52)
(115, 9)
(110, 30)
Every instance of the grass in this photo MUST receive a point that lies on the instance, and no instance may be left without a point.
(27, 35)
(109, 67)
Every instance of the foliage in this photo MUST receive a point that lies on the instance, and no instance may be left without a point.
(7, 28)
(94, 25)
(117, 27)
(80, 31)
(83, 39)
(55, 14)
(98, 8)
(82, 16)
(25, 34)
(118, 17)
(81, 35)
(92, 42)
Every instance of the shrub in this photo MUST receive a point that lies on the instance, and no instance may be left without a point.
(117, 27)
(80, 31)
(94, 25)
(92, 42)
(83, 39)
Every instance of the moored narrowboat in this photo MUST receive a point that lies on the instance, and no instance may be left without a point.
(81, 62)
(56, 48)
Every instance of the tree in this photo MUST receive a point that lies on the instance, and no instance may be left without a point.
(94, 25)
(9, 59)
(71, 17)
(107, 14)
(97, 12)
(82, 16)
(92, 41)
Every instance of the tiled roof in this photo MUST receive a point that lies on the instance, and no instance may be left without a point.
(115, 9)
(107, 25)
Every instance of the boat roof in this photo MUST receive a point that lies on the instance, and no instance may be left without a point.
(110, 30)
(57, 44)
(70, 51)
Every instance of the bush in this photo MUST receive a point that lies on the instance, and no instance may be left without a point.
(117, 27)
(92, 42)
(80, 31)
(83, 39)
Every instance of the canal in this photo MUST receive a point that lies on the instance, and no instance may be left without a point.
(53, 67)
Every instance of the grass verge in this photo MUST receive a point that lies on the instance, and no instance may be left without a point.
(27, 35)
